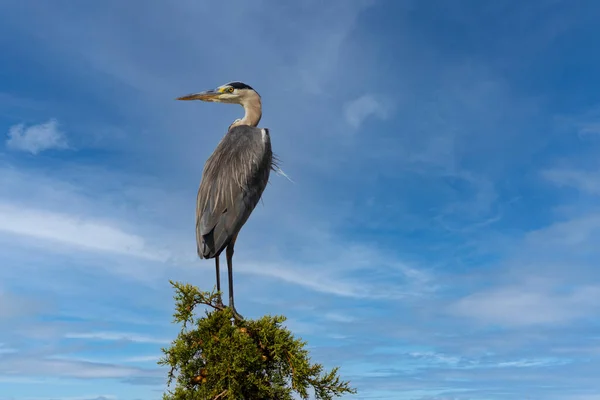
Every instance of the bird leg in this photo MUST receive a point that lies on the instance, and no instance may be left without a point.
(219, 300)
(229, 253)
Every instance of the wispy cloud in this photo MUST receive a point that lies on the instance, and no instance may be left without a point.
(531, 363)
(336, 317)
(590, 129)
(84, 397)
(116, 336)
(6, 350)
(586, 181)
(324, 283)
(523, 305)
(582, 231)
(83, 233)
(36, 138)
(358, 110)
(583, 396)
(48, 367)
(340, 277)
(435, 358)
(142, 359)
(15, 306)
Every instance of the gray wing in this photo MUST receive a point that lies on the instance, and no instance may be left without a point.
(233, 181)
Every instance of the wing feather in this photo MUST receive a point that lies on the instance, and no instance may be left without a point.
(233, 181)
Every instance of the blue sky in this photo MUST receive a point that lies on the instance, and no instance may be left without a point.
(439, 239)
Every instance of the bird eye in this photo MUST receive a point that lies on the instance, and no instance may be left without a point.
(230, 89)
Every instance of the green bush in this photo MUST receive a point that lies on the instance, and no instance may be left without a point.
(213, 358)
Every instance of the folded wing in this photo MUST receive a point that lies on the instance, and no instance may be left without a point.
(233, 181)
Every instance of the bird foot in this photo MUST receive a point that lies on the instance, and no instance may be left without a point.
(236, 315)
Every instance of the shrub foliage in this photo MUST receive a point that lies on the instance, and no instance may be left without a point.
(217, 358)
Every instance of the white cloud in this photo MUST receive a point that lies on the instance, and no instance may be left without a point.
(583, 180)
(83, 397)
(403, 282)
(48, 211)
(590, 129)
(525, 363)
(142, 359)
(336, 317)
(6, 350)
(584, 397)
(582, 232)
(116, 336)
(323, 283)
(523, 305)
(589, 350)
(47, 367)
(36, 138)
(435, 358)
(358, 110)
(15, 306)
(80, 232)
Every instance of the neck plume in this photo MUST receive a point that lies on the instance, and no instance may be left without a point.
(252, 111)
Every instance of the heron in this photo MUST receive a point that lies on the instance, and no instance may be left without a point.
(233, 179)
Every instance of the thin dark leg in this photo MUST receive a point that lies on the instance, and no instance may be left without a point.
(229, 253)
(219, 300)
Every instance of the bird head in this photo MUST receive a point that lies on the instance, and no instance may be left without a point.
(232, 92)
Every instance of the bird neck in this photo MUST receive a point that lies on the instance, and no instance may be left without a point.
(252, 111)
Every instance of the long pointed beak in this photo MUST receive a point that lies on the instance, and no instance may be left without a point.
(209, 95)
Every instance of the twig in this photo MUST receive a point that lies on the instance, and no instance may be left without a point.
(201, 298)
(221, 394)
(289, 357)
(211, 304)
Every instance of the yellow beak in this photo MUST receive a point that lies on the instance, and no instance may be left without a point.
(209, 95)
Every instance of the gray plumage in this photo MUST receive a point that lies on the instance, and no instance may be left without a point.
(233, 181)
